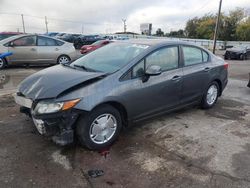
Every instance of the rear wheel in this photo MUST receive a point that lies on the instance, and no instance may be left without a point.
(63, 59)
(210, 97)
(2, 63)
(100, 128)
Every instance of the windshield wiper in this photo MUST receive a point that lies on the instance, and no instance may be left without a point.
(85, 68)
(67, 65)
(81, 66)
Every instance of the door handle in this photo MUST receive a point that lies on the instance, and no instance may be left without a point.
(56, 49)
(33, 49)
(176, 78)
(207, 69)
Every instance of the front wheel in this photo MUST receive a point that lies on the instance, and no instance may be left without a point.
(100, 128)
(210, 97)
(242, 56)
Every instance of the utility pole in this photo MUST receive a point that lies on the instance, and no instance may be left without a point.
(23, 24)
(124, 25)
(216, 27)
(46, 24)
(82, 28)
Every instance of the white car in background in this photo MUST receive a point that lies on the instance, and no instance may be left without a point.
(35, 49)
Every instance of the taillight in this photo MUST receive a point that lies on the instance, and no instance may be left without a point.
(226, 65)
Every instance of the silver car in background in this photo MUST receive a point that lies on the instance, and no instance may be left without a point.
(34, 49)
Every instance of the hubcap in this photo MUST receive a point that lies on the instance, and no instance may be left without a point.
(103, 128)
(212, 94)
(63, 60)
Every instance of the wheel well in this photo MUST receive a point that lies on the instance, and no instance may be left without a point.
(220, 86)
(4, 59)
(122, 110)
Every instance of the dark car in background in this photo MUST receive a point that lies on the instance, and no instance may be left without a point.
(98, 44)
(51, 34)
(4, 35)
(118, 84)
(86, 40)
(69, 37)
(238, 52)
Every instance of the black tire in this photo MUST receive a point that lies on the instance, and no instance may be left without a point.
(242, 56)
(226, 56)
(204, 103)
(84, 123)
(3, 63)
(63, 57)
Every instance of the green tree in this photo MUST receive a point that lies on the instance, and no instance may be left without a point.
(180, 33)
(159, 32)
(228, 26)
(205, 28)
(191, 27)
(243, 31)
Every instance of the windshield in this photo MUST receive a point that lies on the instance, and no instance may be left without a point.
(110, 58)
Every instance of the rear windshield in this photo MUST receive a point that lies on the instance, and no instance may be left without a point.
(110, 58)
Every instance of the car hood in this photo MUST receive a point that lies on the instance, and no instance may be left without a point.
(51, 82)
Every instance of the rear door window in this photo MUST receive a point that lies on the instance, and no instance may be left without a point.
(192, 55)
(44, 41)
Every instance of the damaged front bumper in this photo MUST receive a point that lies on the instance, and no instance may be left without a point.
(59, 126)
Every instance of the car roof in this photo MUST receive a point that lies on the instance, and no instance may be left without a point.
(23, 35)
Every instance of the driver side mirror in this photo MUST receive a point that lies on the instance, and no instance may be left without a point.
(152, 70)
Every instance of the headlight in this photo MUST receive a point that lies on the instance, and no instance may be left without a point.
(46, 107)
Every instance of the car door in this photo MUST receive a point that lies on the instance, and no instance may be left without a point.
(24, 50)
(196, 68)
(157, 93)
(48, 50)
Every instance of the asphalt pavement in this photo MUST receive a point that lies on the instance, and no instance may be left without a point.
(187, 148)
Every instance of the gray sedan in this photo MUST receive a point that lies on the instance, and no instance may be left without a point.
(35, 49)
(117, 85)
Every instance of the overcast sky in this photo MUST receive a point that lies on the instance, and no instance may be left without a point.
(104, 16)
